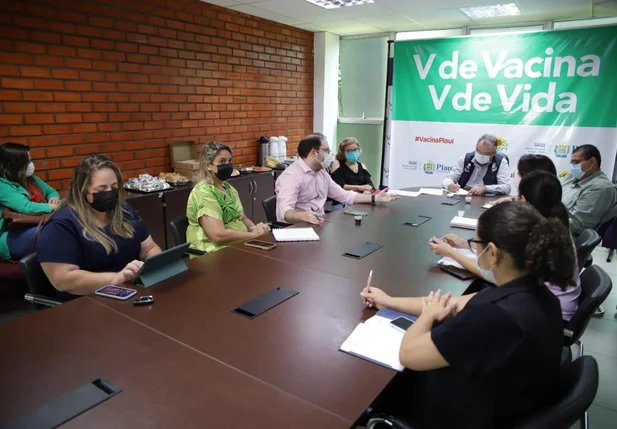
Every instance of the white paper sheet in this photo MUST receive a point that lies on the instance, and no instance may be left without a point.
(464, 222)
(295, 234)
(431, 191)
(403, 193)
(376, 340)
(451, 262)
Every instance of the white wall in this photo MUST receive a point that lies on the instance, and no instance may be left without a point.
(325, 96)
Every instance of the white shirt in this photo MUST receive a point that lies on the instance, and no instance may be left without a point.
(477, 176)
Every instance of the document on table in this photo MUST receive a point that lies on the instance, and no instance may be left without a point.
(431, 191)
(403, 193)
(295, 234)
(462, 192)
(377, 341)
(451, 262)
(464, 222)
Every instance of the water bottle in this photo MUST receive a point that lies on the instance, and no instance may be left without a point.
(264, 144)
(274, 148)
(282, 148)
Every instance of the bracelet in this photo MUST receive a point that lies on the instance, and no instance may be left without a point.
(252, 228)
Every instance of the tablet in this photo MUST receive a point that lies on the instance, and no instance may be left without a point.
(162, 266)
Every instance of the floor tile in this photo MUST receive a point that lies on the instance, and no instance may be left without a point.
(600, 418)
(601, 337)
(607, 390)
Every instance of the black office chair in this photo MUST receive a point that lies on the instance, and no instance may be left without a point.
(178, 229)
(42, 293)
(585, 245)
(577, 389)
(595, 287)
(269, 205)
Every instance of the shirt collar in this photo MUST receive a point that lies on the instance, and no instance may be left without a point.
(589, 179)
(521, 284)
(304, 166)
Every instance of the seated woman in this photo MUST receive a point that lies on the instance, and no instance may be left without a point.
(96, 238)
(214, 210)
(489, 359)
(347, 172)
(21, 192)
(527, 164)
(543, 191)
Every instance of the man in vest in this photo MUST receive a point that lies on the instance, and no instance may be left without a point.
(481, 172)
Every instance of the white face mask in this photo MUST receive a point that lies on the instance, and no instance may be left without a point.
(30, 169)
(482, 159)
(488, 275)
(327, 161)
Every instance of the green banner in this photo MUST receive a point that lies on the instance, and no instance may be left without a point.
(561, 77)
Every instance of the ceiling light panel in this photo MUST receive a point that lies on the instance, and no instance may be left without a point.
(491, 11)
(335, 4)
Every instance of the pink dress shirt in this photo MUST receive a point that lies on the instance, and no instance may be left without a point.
(302, 189)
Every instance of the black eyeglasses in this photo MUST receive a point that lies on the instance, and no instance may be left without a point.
(473, 240)
(325, 150)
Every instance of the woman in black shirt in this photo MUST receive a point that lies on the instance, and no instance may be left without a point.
(489, 359)
(347, 172)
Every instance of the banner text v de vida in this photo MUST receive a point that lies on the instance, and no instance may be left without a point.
(525, 96)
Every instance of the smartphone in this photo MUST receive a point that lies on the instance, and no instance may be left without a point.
(457, 272)
(418, 220)
(356, 213)
(401, 323)
(264, 245)
(116, 292)
(487, 205)
(451, 201)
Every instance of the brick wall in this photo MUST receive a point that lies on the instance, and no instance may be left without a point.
(126, 77)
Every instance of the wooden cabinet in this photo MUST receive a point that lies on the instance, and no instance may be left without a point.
(150, 208)
(159, 208)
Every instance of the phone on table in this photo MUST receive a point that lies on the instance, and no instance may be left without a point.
(115, 292)
(459, 273)
(355, 213)
(450, 201)
(401, 323)
(418, 220)
(259, 244)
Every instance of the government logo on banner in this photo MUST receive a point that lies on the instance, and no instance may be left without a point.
(502, 144)
(562, 150)
(429, 167)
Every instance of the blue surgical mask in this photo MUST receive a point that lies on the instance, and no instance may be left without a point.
(352, 156)
(487, 275)
(577, 171)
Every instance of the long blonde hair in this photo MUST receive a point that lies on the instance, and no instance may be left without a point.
(208, 153)
(77, 200)
(340, 155)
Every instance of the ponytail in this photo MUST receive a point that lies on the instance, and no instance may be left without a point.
(549, 251)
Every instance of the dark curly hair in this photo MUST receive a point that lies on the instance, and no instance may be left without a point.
(540, 246)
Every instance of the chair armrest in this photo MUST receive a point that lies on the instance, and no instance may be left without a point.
(382, 419)
(41, 300)
(568, 333)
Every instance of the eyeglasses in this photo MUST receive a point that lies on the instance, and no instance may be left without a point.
(473, 240)
(351, 150)
(325, 150)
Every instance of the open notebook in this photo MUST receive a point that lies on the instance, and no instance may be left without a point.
(295, 234)
(377, 341)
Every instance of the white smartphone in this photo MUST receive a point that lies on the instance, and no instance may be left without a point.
(401, 323)
(116, 292)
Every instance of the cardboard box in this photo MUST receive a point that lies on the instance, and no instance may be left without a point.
(192, 175)
(184, 151)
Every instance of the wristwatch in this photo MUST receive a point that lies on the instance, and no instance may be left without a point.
(251, 228)
(373, 199)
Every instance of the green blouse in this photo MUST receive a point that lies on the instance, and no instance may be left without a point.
(208, 200)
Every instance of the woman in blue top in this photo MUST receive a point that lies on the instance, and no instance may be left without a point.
(96, 238)
(21, 192)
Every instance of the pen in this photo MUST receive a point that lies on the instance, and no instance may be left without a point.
(368, 282)
(315, 211)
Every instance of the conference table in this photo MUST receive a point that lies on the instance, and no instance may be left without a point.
(189, 361)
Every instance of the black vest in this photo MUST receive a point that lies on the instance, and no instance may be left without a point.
(490, 178)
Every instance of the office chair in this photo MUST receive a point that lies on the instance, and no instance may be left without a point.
(269, 205)
(178, 229)
(42, 293)
(585, 245)
(595, 287)
(577, 389)
(608, 232)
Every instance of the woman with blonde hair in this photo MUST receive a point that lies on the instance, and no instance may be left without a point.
(215, 213)
(95, 238)
(347, 172)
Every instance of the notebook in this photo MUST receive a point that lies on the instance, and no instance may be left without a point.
(403, 193)
(377, 341)
(447, 261)
(431, 191)
(295, 234)
(464, 222)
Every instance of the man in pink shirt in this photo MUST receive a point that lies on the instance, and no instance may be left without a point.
(302, 189)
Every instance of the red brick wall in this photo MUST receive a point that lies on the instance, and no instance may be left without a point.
(126, 77)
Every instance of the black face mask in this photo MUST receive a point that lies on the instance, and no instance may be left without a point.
(224, 171)
(104, 201)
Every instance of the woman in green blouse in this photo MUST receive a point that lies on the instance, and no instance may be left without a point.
(214, 210)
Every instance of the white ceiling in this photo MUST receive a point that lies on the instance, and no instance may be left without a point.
(406, 15)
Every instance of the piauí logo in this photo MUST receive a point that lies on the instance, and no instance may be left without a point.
(562, 150)
(429, 167)
(502, 144)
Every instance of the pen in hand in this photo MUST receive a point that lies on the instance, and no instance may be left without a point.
(368, 285)
(315, 211)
